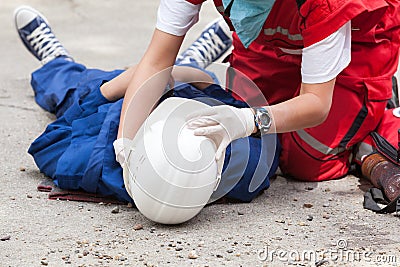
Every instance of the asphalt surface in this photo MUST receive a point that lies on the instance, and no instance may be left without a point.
(290, 221)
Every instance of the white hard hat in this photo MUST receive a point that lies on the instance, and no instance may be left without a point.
(170, 173)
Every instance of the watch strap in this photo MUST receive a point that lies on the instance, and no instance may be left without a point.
(258, 133)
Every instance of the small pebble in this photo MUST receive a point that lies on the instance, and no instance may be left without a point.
(44, 262)
(5, 238)
(325, 205)
(22, 169)
(29, 196)
(302, 223)
(321, 262)
(193, 255)
(138, 226)
(115, 210)
(129, 205)
(179, 248)
(310, 218)
(308, 205)
(240, 213)
(230, 251)
(152, 229)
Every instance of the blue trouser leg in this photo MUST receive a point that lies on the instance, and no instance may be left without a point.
(72, 92)
(55, 85)
(60, 83)
(249, 164)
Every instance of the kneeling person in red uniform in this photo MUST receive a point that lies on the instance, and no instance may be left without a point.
(325, 68)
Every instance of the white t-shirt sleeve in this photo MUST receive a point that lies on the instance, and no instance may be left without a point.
(177, 16)
(323, 61)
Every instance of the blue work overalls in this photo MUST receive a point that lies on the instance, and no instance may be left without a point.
(76, 149)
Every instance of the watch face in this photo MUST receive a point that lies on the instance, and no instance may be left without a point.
(264, 120)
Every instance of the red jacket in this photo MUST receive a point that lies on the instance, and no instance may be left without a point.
(273, 60)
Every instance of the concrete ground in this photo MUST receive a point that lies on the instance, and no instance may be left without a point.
(289, 221)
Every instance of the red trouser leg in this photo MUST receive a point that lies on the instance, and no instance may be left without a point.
(387, 128)
(297, 161)
(326, 151)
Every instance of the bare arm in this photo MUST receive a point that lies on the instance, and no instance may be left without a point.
(309, 109)
(116, 88)
(195, 77)
(137, 104)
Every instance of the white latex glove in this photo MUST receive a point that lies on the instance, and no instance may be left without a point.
(222, 124)
(122, 147)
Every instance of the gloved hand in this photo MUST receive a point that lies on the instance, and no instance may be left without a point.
(121, 148)
(222, 124)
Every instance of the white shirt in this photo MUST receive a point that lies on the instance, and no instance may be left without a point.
(177, 16)
(321, 62)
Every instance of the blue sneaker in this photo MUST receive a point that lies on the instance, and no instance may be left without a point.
(213, 42)
(37, 35)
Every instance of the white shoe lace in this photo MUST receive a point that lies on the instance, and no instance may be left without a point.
(45, 43)
(205, 49)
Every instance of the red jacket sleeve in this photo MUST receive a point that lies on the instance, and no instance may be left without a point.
(321, 18)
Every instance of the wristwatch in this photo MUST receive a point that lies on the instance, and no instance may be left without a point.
(262, 120)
